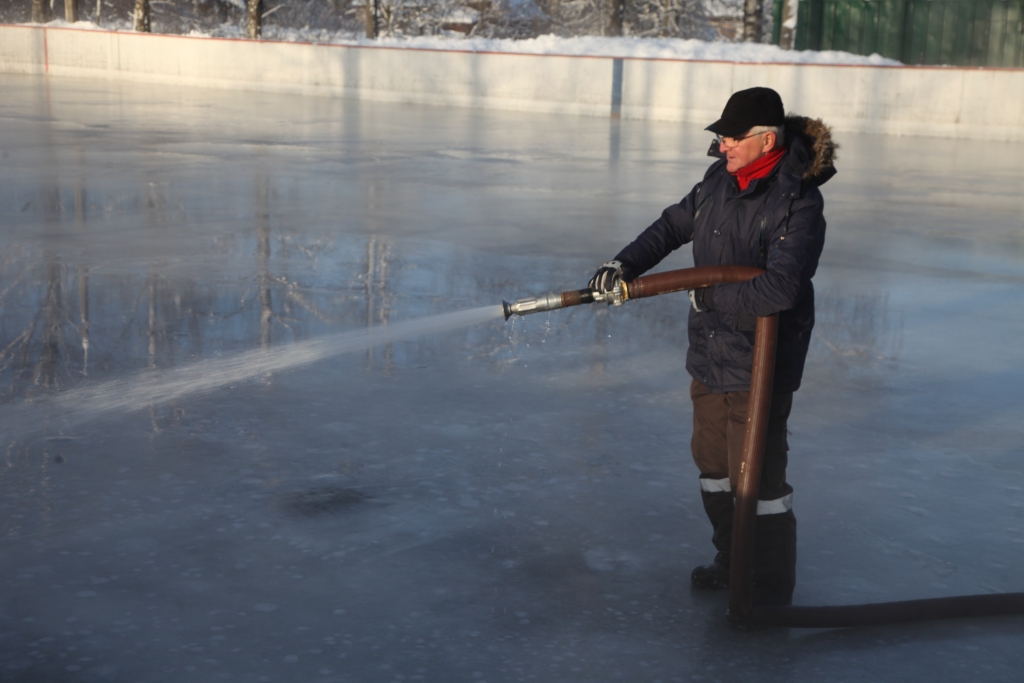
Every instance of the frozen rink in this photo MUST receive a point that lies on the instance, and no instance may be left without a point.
(497, 502)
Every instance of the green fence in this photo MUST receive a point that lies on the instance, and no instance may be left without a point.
(957, 32)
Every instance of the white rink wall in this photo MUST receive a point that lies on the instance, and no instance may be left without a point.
(985, 104)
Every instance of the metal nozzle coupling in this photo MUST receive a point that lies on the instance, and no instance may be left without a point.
(536, 304)
(615, 297)
(550, 302)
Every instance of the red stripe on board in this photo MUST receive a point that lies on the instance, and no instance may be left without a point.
(46, 53)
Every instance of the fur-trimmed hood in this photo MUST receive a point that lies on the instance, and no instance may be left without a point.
(812, 151)
(814, 156)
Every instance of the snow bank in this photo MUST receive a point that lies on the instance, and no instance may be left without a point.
(647, 48)
(581, 46)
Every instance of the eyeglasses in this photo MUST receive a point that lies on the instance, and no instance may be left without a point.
(729, 143)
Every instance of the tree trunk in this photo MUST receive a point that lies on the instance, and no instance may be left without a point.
(615, 20)
(753, 10)
(41, 12)
(370, 18)
(254, 19)
(787, 32)
(71, 11)
(141, 20)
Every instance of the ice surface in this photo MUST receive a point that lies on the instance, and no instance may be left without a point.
(494, 503)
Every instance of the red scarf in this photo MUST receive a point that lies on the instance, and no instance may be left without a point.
(759, 168)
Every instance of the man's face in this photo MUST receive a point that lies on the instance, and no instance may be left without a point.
(744, 149)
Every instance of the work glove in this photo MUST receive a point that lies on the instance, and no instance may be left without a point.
(607, 276)
(697, 299)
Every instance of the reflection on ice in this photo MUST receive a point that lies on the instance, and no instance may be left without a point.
(862, 326)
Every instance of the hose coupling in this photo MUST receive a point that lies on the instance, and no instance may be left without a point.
(614, 297)
(552, 301)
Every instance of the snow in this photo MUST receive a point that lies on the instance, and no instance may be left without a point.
(463, 15)
(590, 46)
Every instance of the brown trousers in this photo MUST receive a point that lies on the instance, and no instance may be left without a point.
(719, 422)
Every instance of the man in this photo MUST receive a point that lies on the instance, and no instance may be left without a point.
(758, 205)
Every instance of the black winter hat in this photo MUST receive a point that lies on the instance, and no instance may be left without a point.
(749, 108)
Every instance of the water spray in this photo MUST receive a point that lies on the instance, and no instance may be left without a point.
(158, 387)
(742, 612)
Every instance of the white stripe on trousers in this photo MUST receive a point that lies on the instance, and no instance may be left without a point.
(775, 507)
(715, 485)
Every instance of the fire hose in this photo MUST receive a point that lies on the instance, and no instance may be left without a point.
(742, 613)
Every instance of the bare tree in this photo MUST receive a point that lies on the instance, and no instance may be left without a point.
(615, 14)
(509, 19)
(370, 14)
(41, 12)
(667, 19)
(254, 18)
(576, 17)
(645, 18)
(516, 19)
(787, 32)
(415, 17)
(140, 20)
(753, 14)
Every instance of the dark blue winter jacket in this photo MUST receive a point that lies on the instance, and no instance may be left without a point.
(775, 224)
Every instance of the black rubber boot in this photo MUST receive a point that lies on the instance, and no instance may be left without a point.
(714, 576)
(774, 559)
(719, 506)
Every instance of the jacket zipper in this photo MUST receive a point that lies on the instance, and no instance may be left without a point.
(761, 240)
